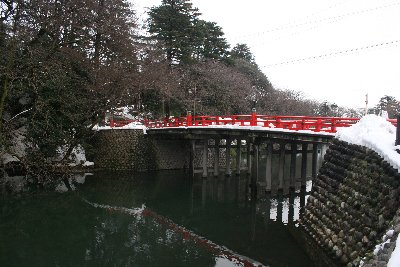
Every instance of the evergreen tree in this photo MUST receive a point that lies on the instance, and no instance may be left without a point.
(173, 22)
(388, 104)
(211, 43)
(186, 38)
(242, 51)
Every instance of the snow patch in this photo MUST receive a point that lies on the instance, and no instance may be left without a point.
(375, 133)
(77, 157)
(17, 148)
(131, 126)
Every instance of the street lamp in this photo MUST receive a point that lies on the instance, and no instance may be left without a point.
(398, 133)
(194, 101)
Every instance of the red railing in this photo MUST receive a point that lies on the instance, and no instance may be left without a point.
(121, 123)
(294, 123)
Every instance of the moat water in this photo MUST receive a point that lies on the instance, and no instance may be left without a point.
(149, 219)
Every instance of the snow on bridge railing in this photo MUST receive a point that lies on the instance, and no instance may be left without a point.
(295, 123)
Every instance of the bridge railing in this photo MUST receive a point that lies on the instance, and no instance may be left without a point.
(295, 123)
(316, 124)
(121, 123)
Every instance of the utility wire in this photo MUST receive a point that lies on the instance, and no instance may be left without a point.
(322, 10)
(298, 21)
(342, 52)
(296, 33)
(354, 13)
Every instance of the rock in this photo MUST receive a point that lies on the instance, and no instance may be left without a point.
(358, 235)
(384, 257)
(344, 259)
(372, 235)
(381, 221)
(353, 255)
(334, 239)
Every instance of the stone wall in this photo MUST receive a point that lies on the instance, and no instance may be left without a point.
(132, 150)
(171, 154)
(352, 205)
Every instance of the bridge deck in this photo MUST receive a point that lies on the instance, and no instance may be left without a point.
(240, 132)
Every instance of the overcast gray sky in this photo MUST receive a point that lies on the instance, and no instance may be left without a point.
(288, 30)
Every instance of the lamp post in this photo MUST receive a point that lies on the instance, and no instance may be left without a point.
(398, 133)
(335, 108)
(194, 101)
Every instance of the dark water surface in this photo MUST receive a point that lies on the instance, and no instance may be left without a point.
(149, 219)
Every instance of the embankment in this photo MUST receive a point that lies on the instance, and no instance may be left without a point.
(353, 207)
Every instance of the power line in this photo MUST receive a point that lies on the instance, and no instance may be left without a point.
(324, 9)
(342, 52)
(313, 27)
(354, 13)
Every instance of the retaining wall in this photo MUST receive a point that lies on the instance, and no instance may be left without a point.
(354, 202)
(132, 150)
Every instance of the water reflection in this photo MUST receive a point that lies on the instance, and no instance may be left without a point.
(282, 208)
(71, 182)
(152, 219)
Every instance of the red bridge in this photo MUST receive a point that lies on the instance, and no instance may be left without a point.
(294, 123)
(205, 143)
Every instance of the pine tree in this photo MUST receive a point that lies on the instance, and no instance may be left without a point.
(186, 38)
(242, 51)
(388, 104)
(211, 43)
(173, 22)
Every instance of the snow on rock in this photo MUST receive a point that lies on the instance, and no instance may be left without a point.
(18, 147)
(77, 157)
(385, 239)
(375, 133)
(6, 158)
